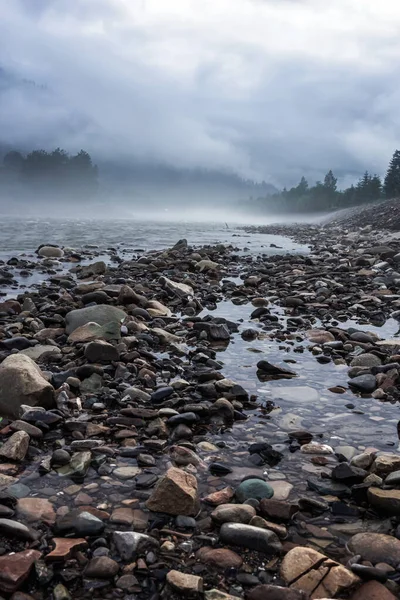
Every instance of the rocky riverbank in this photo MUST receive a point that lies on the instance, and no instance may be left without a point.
(203, 422)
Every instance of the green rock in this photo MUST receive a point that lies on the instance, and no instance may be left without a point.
(254, 488)
(102, 314)
(78, 465)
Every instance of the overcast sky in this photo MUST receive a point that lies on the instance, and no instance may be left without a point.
(267, 88)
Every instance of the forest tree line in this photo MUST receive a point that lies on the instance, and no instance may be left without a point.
(42, 172)
(325, 195)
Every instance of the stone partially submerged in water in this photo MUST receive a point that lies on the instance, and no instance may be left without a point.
(267, 370)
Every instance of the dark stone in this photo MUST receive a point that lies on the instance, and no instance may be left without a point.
(348, 474)
(328, 488)
(216, 468)
(363, 383)
(162, 394)
(369, 573)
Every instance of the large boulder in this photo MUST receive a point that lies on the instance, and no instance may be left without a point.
(93, 331)
(22, 382)
(175, 494)
(50, 252)
(307, 570)
(376, 548)
(100, 314)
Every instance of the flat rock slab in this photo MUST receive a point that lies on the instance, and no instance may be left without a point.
(65, 548)
(36, 509)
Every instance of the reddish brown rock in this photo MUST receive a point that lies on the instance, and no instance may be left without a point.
(307, 570)
(175, 494)
(274, 509)
(219, 557)
(36, 509)
(15, 568)
(96, 512)
(123, 516)
(373, 590)
(223, 496)
(189, 585)
(65, 547)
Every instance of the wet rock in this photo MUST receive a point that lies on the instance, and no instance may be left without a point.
(348, 474)
(129, 543)
(14, 529)
(253, 488)
(328, 488)
(363, 461)
(65, 548)
(223, 496)
(103, 567)
(373, 590)
(278, 510)
(386, 463)
(320, 336)
(16, 447)
(218, 595)
(60, 592)
(363, 383)
(310, 571)
(15, 568)
(366, 360)
(266, 368)
(376, 547)
(79, 524)
(36, 509)
(233, 513)
(30, 429)
(187, 585)
(38, 352)
(274, 592)
(50, 252)
(175, 494)
(387, 501)
(280, 530)
(316, 448)
(219, 469)
(181, 290)
(60, 457)
(22, 382)
(96, 268)
(92, 331)
(101, 351)
(77, 466)
(162, 394)
(100, 314)
(247, 536)
(366, 573)
(219, 557)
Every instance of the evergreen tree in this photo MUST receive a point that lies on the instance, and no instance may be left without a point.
(330, 182)
(391, 185)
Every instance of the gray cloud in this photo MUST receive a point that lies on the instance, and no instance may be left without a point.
(265, 88)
